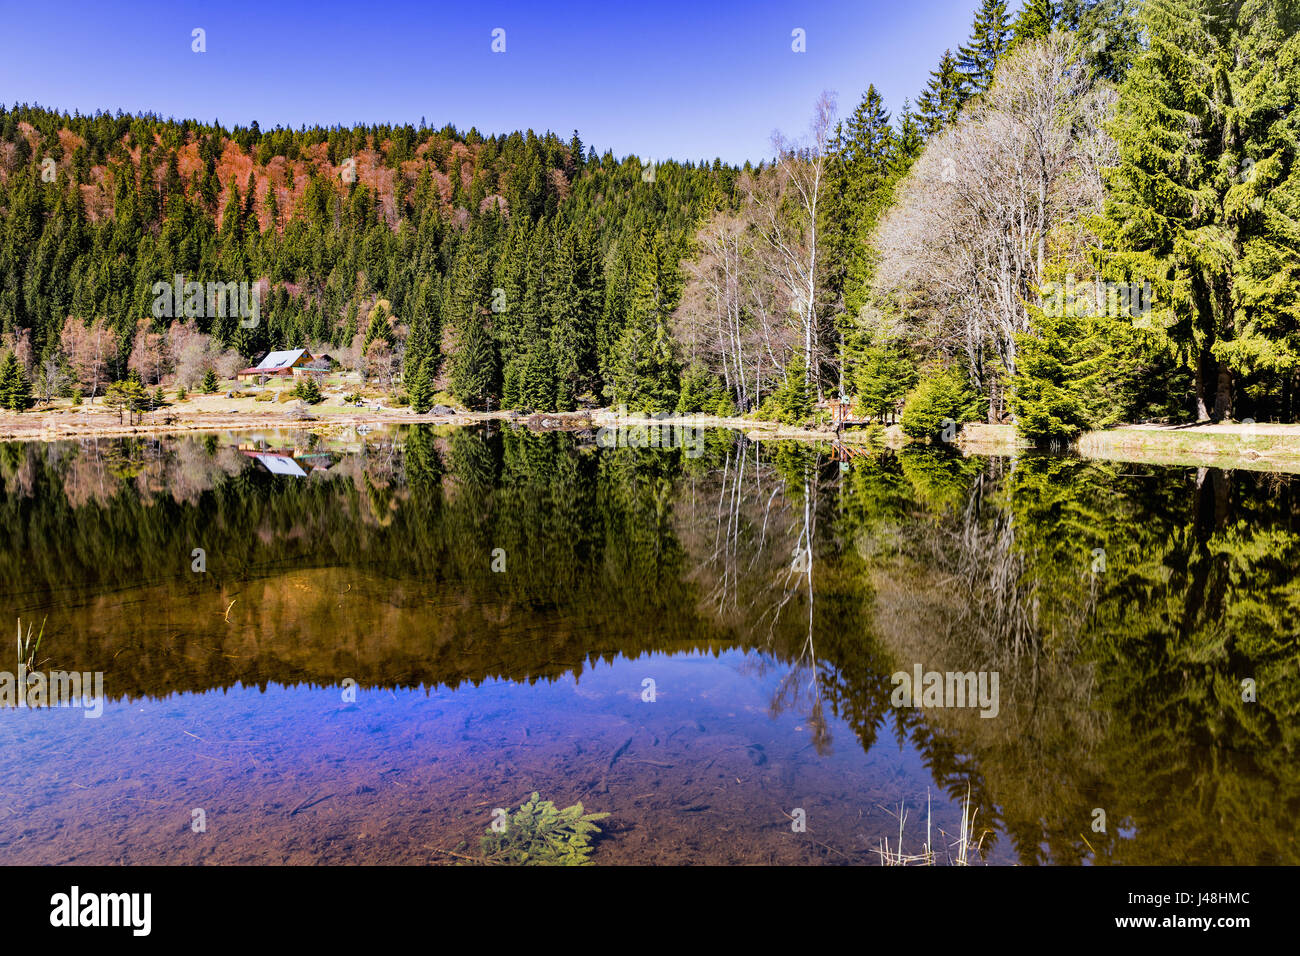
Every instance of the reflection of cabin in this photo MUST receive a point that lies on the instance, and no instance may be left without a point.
(294, 363)
(294, 462)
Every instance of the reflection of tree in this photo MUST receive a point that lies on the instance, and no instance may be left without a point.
(377, 569)
(1208, 599)
(1121, 687)
(755, 549)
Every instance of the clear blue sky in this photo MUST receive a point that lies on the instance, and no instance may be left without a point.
(686, 79)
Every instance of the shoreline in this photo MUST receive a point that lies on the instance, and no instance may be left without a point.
(1256, 447)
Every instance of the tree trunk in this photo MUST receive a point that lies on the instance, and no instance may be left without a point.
(1205, 373)
(1223, 394)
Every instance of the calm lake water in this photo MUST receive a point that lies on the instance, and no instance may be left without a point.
(396, 633)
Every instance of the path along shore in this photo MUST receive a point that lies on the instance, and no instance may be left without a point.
(1261, 446)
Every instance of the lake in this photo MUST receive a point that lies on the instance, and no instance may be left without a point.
(353, 649)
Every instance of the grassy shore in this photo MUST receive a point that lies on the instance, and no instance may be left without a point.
(1260, 447)
(1256, 447)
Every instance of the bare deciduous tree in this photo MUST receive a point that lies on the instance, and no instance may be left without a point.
(89, 349)
(783, 205)
(966, 245)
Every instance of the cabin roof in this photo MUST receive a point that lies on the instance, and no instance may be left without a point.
(277, 360)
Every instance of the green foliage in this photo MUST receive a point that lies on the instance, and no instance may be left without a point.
(308, 390)
(379, 325)
(704, 393)
(420, 389)
(1035, 20)
(884, 378)
(939, 399)
(942, 97)
(345, 259)
(15, 390)
(1205, 195)
(128, 396)
(209, 383)
(1080, 369)
(989, 39)
(644, 369)
(793, 402)
(474, 369)
(1052, 394)
(541, 834)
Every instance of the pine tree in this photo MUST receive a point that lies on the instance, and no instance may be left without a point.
(944, 395)
(1262, 206)
(885, 376)
(231, 228)
(571, 331)
(1179, 214)
(474, 368)
(15, 390)
(1036, 19)
(990, 36)
(793, 400)
(133, 397)
(1108, 33)
(420, 389)
(857, 194)
(907, 143)
(1054, 394)
(942, 97)
(308, 390)
(209, 383)
(701, 392)
(272, 208)
(645, 370)
(379, 326)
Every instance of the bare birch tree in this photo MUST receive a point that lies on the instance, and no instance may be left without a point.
(783, 205)
(730, 318)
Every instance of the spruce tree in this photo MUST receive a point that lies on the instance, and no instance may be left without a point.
(570, 330)
(1036, 19)
(1194, 204)
(990, 36)
(885, 376)
(420, 389)
(942, 97)
(15, 390)
(644, 372)
(378, 326)
(794, 402)
(474, 368)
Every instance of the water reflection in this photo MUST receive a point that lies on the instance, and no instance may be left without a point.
(1122, 606)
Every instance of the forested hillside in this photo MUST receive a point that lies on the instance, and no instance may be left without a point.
(396, 248)
(1090, 214)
